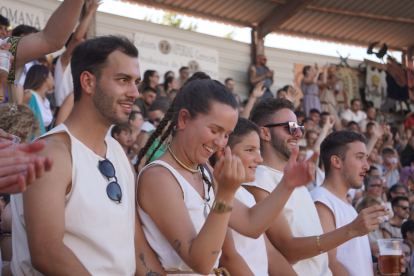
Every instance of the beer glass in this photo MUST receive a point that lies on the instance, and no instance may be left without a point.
(390, 254)
(4, 72)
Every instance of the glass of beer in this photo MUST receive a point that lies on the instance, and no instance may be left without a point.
(4, 72)
(390, 254)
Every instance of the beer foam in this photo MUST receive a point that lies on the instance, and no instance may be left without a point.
(384, 252)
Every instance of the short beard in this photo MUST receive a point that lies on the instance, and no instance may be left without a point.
(280, 145)
(104, 103)
(346, 175)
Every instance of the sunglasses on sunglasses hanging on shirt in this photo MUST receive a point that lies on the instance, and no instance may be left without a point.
(113, 189)
(293, 128)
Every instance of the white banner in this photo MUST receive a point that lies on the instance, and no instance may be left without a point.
(21, 14)
(162, 54)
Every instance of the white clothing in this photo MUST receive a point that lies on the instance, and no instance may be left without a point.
(196, 205)
(376, 86)
(98, 231)
(355, 254)
(147, 127)
(63, 82)
(303, 219)
(19, 71)
(26, 68)
(393, 178)
(44, 106)
(319, 176)
(253, 251)
(351, 116)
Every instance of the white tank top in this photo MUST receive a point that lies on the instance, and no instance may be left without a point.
(302, 216)
(98, 231)
(355, 254)
(169, 259)
(63, 82)
(253, 251)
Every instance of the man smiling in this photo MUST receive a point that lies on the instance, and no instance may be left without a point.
(297, 233)
(80, 219)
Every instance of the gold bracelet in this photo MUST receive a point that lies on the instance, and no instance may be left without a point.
(221, 206)
(319, 244)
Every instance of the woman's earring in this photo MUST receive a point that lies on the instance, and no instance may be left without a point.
(175, 128)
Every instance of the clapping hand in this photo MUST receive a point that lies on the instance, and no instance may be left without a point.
(19, 166)
(5, 137)
(94, 5)
(258, 90)
(299, 173)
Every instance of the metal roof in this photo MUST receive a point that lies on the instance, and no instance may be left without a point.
(353, 22)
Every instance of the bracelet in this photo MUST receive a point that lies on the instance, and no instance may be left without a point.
(319, 244)
(221, 206)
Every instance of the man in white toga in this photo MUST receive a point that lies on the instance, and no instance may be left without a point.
(297, 232)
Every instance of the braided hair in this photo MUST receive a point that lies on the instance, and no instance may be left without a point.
(195, 96)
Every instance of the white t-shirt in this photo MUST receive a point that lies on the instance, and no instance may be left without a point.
(147, 127)
(253, 251)
(351, 116)
(393, 178)
(63, 82)
(303, 219)
(355, 254)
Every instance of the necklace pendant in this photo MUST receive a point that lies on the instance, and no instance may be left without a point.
(206, 209)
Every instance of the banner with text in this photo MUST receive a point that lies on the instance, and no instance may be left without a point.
(20, 14)
(162, 54)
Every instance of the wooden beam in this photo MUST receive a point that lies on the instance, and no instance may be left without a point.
(280, 15)
(361, 14)
(280, 2)
(331, 39)
(184, 11)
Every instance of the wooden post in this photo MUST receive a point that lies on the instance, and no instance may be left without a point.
(92, 25)
(257, 45)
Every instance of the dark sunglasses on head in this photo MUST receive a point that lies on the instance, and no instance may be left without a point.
(403, 207)
(113, 189)
(154, 120)
(293, 127)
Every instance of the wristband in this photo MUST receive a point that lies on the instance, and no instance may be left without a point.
(221, 207)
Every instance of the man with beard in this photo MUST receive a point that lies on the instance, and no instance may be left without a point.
(260, 72)
(80, 218)
(371, 115)
(297, 233)
(148, 96)
(344, 156)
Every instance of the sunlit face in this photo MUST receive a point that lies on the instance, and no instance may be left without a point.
(355, 165)
(281, 95)
(310, 141)
(399, 209)
(315, 117)
(137, 122)
(155, 117)
(371, 113)
(117, 88)
(282, 141)
(309, 125)
(301, 156)
(356, 106)
(124, 138)
(248, 150)
(374, 189)
(203, 135)
(230, 84)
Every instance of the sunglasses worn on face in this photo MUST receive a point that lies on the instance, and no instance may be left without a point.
(113, 189)
(375, 185)
(403, 207)
(157, 120)
(293, 128)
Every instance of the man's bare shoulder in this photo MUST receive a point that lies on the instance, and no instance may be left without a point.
(58, 146)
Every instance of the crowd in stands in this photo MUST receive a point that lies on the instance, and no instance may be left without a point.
(335, 176)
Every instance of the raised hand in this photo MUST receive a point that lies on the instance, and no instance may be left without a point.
(94, 5)
(291, 94)
(19, 166)
(368, 220)
(299, 173)
(229, 172)
(379, 130)
(330, 121)
(258, 90)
